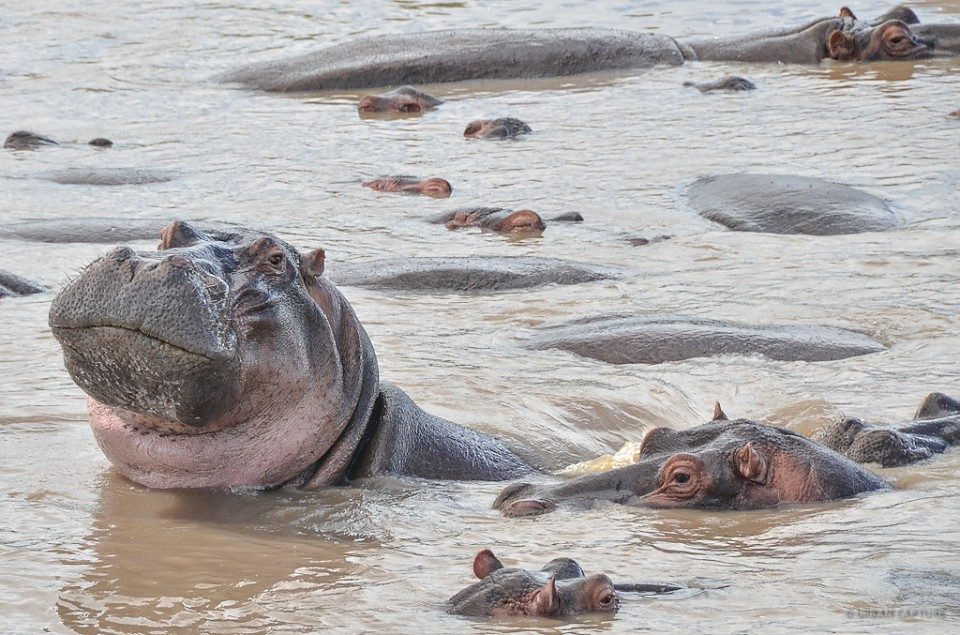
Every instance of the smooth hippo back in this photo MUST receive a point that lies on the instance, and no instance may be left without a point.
(92, 230)
(14, 285)
(458, 55)
(784, 204)
(106, 176)
(640, 340)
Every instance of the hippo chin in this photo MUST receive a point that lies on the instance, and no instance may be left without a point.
(227, 359)
(738, 464)
(934, 428)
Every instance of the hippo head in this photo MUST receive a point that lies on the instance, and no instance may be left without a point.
(559, 588)
(403, 100)
(221, 359)
(738, 464)
(891, 40)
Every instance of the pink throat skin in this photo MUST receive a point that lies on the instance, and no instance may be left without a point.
(256, 453)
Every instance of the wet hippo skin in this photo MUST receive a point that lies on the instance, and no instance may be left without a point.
(90, 230)
(12, 285)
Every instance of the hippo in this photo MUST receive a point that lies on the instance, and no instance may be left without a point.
(474, 274)
(497, 219)
(503, 128)
(723, 464)
(106, 176)
(935, 427)
(26, 140)
(655, 340)
(88, 230)
(786, 204)
(12, 285)
(642, 241)
(470, 54)
(227, 359)
(955, 114)
(406, 100)
(730, 83)
(559, 588)
(433, 187)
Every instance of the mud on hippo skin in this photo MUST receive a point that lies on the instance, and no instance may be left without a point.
(433, 187)
(402, 100)
(738, 464)
(26, 140)
(155, 339)
(12, 285)
(503, 128)
(935, 427)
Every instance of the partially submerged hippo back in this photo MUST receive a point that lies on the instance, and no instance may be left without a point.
(559, 588)
(784, 204)
(107, 176)
(654, 340)
(738, 464)
(12, 285)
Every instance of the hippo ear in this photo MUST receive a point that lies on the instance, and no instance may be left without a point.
(937, 405)
(748, 463)
(311, 264)
(845, 12)
(841, 46)
(719, 414)
(547, 601)
(179, 234)
(485, 563)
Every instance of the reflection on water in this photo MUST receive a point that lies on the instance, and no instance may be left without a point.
(84, 551)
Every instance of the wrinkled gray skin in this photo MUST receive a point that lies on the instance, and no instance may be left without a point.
(730, 83)
(468, 54)
(738, 464)
(477, 273)
(26, 140)
(227, 359)
(934, 428)
(784, 204)
(405, 100)
(89, 230)
(502, 128)
(643, 340)
(559, 588)
(106, 176)
(12, 285)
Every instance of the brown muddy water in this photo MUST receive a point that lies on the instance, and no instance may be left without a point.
(81, 550)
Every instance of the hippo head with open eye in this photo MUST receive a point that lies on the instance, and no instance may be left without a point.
(738, 464)
(404, 100)
(560, 588)
(890, 41)
(222, 359)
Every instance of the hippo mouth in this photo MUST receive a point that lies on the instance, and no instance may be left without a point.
(127, 367)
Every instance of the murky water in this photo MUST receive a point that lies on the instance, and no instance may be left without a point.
(82, 550)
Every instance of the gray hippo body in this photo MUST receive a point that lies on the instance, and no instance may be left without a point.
(106, 176)
(90, 230)
(643, 340)
(12, 285)
(935, 427)
(472, 54)
(784, 204)
(156, 340)
(479, 273)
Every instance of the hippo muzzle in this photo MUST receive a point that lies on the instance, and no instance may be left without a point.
(151, 333)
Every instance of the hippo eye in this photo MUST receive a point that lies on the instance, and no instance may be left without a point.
(608, 600)
(897, 40)
(681, 477)
(275, 259)
(409, 108)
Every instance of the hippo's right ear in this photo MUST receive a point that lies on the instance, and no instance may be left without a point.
(845, 12)
(842, 46)
(547, 601)
(311, 264)
(179, 234)
(485, 563)
(719, 414)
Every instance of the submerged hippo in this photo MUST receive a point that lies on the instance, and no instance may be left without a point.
(478, 273)
(226, 359)
(655, 340)
(738, 464)
(12, 285)
(405, 99)
(497, 219)
(730, 83)
(785, 204)
(935, 427)
(503, 128)
(106, 176)
(26, 140)
(89, 230)
(469, 54)
(433, 187)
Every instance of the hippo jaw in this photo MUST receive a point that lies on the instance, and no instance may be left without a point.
(216, 361)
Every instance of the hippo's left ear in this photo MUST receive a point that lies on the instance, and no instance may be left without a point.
(845, 12)
(485, 563)
(841, 46)
(719, 414)
(748, 463)
(547, 601)
(311, 264)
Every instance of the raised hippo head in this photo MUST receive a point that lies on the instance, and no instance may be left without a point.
(559, 588)
(221, 359)
(738, 464)
(891, 40)
(405, 99)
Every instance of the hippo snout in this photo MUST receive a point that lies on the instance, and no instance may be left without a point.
(513, 501)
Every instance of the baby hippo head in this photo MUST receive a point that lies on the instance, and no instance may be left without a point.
(403, 100)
